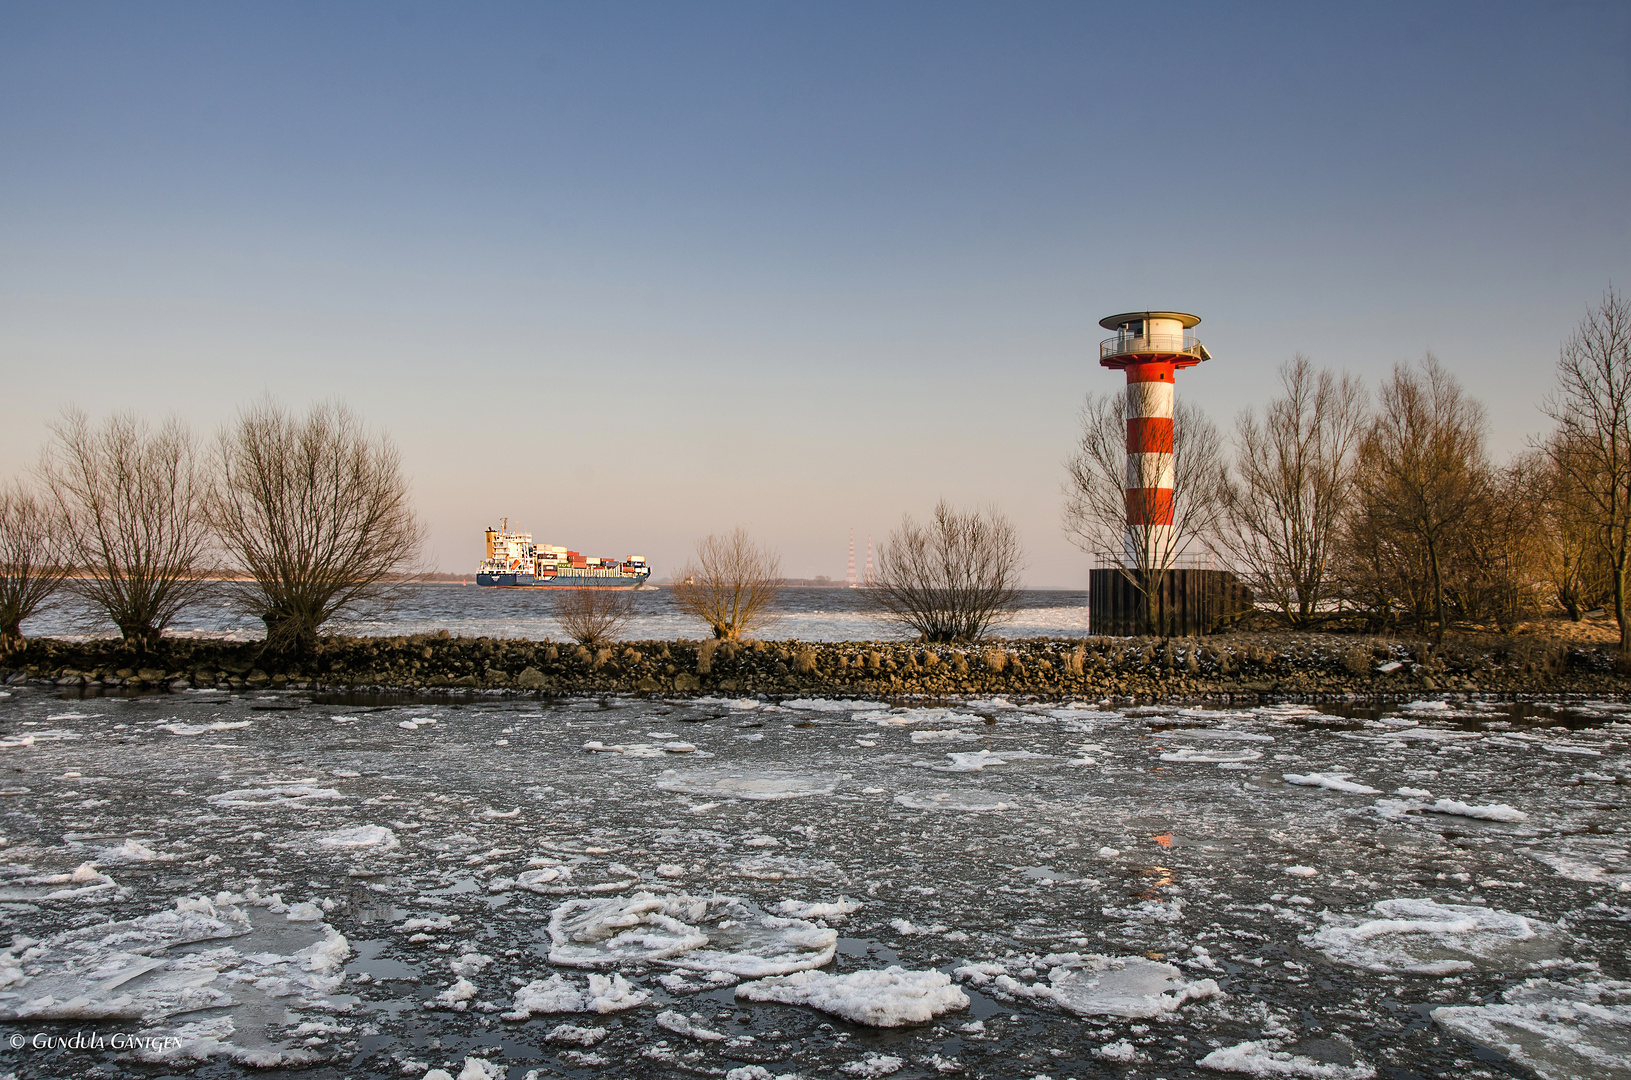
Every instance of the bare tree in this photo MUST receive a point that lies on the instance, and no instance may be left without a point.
(730, 585)
(1098, 504)
(593, 616)
(32, 563)
(1422, 469)
(313, 513)
(953, 577)
(1592, 445)
(1295, 474)
(128, 504)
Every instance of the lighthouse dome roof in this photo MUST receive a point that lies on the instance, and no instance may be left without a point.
(1116, 322)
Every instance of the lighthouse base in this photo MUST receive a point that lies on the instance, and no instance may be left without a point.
(1185, 603)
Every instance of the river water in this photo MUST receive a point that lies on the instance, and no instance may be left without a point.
(378, 886)
(471, 611)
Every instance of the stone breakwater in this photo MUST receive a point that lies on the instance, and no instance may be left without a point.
(1227, 666)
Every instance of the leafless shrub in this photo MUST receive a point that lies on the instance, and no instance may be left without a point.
(313, 513)
(1096, 498)
(1294, 472)
(730, 585)
(128, 507)
(953, 577)
(1591, 447)
(31, 562)
(593, 616)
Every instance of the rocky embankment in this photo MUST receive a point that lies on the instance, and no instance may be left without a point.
(1233, 665)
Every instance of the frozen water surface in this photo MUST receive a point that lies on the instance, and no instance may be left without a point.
(352, 887)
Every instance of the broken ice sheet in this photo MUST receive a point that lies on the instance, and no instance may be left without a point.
(121, 971)
(1560, 1031)
(719, 933)
(1428, 938)
(1113, 986)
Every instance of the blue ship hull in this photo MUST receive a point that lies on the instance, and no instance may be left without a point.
(573, 581)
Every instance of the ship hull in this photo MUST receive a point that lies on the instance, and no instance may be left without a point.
(572, 581)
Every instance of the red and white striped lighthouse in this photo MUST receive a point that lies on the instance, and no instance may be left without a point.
(1150, 346)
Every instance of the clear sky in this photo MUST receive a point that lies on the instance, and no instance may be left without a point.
(632, 273)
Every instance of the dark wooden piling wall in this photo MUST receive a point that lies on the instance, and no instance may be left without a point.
(1188, 603)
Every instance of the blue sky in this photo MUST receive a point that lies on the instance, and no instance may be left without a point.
(633, 273)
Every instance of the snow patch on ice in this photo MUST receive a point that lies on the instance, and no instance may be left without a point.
(1261, 1058)
(836, 911)
(1494, 812)
(892, 997)
(558, 994)
(1335, 781)
(1189, 753)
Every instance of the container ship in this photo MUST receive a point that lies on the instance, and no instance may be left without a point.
(514, 562)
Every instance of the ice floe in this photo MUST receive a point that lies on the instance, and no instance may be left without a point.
(1494, 812)
(133, 970)
(980, 759)
(294, 794)
(201, 729)
(835, 911)
(377, 837)
(1428, 938)
(961, 799)
(1189, 753)
(1334, 781)
(1126, 986)
(828, 705)
(745, 784)
(891, 997)
(719, 933)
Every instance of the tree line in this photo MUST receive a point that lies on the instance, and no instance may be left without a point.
(292, 519)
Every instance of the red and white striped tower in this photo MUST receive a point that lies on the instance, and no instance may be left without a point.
(1150, 346)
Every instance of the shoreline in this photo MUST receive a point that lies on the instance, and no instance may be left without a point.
(1229, 668)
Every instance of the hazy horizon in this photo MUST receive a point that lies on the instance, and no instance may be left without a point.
(630, 275)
